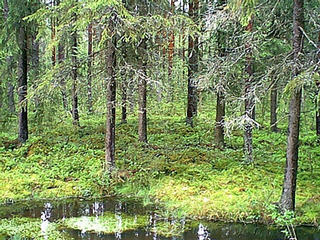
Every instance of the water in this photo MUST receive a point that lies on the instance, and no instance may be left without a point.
(50, 212)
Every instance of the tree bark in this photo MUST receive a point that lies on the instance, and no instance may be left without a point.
(53, 35)
(273, 107)
(74, 75)
(287, 201)
(220, 114)
(10, 87)
(249, 101)
(22, 85)
(142, 89)
(124, 96)
(111, 98)
(170, 54)
(193, 47)
(90, 60)
(318, 92)
(61, 57)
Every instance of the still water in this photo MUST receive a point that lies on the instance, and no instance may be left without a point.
(53, 211)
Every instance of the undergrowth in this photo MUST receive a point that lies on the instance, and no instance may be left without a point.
(179, 168)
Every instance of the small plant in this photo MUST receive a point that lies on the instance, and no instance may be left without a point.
(284, 219)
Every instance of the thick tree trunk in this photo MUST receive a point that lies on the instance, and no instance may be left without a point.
(220, 114)
(22, 85)
(111, 99)
(249, 101)
(90, 55)
(273, 107)
(74, 76)
(142, 89)
(287, 201)
(193, 66)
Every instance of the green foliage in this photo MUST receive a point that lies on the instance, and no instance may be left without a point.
(108, 223)
(28, 228)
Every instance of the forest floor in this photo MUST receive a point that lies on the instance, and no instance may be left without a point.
(179, 169)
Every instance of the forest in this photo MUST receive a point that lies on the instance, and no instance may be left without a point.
(160, 119)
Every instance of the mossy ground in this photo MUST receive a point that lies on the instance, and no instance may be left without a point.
(180, 168)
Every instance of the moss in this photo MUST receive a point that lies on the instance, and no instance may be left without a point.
(180, 168)
(108, 223)
(28, 228)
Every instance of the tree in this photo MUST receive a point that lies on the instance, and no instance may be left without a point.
(142, 89)
(193, 48)
(273, 107)
(111, 96)
(287, 201)
(249, 99)
(61, 57)
(90, 60)
(74, 72)
(318, 92)
(22, 83)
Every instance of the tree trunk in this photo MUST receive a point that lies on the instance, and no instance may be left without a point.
(318, 92)
(36, 66)
(193, 66)
(220, 114)
(142, 89)
(273, 107)
(170, 55)
(124, 89)
(287, 201)
(249, 101)
(74, 75)
(111, 98)
(53, 36)
(22, 85)
(61, 57)
(10, 87)
(62, 80)
(90, 108)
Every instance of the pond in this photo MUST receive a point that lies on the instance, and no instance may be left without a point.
(115, 219)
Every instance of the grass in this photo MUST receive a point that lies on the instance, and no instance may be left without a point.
(180, 169)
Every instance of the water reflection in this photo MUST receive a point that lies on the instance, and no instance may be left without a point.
(49, 212)
(45, 217)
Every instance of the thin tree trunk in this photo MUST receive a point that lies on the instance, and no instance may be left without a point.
(249, 101)
(74, 75)
(318, 92)
(22, 85)
(193, 66)
(63, 87)
(124, 94)
(62, 80)
(10, 87)
(170, 54)
(53, 36)
(273, 107)
(142, 89)
(287, 201)
(90, 55)
(35, 65)
(111, 99)
(220, 114)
